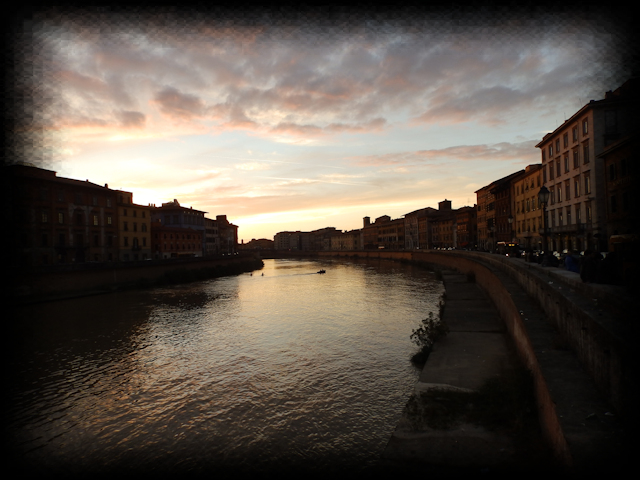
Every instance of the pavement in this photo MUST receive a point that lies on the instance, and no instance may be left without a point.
(477, 349)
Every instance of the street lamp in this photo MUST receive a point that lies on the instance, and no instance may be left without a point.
(543, 199)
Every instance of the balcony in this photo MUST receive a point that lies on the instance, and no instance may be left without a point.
(573, 228)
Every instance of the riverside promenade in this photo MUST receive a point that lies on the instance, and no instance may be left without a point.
(581, 432)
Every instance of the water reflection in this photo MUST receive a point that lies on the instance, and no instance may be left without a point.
(290, 368)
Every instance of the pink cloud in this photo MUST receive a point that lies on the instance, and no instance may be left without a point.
(175, 104)
(504, 151)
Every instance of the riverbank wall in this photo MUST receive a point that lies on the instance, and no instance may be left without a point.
(34, 285)
(592, 320)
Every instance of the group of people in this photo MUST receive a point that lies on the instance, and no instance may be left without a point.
(592, 266)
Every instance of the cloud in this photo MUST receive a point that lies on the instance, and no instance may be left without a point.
(130, 119)
(177, 105)
(503, 151)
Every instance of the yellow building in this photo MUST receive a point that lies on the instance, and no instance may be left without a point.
(134, 228)
(527, 213)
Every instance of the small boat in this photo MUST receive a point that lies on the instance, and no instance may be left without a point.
(322, 271)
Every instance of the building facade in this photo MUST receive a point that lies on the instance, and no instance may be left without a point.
(57, 220)
(175, 242)
(527, 214)
(574, 170)
(134, 229)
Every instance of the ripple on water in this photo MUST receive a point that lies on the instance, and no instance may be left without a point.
(291, 367)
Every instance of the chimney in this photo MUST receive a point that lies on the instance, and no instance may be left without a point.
(367, 221)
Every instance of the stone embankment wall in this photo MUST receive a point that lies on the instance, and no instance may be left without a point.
(78, 279)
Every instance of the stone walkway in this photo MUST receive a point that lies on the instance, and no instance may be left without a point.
(478, 348)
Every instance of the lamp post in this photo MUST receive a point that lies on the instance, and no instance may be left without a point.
(543, 198)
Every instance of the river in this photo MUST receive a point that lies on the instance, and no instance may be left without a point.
(284, 367)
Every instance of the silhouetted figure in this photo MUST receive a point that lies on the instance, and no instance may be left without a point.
(549, 260)
(572, 262)
(589, 267)
(607, 269)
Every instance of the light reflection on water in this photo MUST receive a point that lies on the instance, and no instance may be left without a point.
(256, 372)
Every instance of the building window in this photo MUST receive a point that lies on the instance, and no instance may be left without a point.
(567, 190)
(614, 204)
(95, 200)
(565, 140)
(126, 241)
(587, 208)
(558, 168)
(60, 196)
(144, 227)
(575, 134)
(60, 217)
(566, 162)
(585, 127)
(550, 151)
(78, 218)
(124, 212)
(125, 226)
(135, 213)
(568, 215)
(557, 145)
(576, 158)
(109, 220)
(559, 192)
(612, 172)
(552, 195)
(585, 154)
(144, 241)
(45, 240)
(95, 220)
(45, 217)
(551, 171)
(96, 242)
(135, 226)
(108, 201)
(576, 186)
(578, 214)
(587, 184)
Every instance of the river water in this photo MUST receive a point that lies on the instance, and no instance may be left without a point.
(281, 368)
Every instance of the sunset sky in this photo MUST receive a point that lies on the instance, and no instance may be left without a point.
(300, 126)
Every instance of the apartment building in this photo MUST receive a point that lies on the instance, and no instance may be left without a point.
(134, 228)
(172, 214)
(574, 171)
(175, 242)
(58, 220)
(527, 213)
(494, 211)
